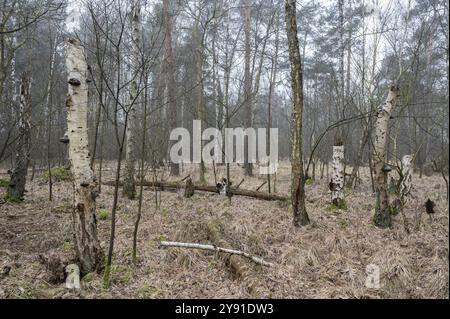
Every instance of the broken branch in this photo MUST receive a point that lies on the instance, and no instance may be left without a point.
(255, 259)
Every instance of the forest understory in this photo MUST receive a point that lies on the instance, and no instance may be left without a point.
(326, 259)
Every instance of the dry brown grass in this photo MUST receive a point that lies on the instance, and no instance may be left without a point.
(326, 259)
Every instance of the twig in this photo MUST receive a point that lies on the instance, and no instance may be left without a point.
(261, 186)
(182, 180)
(237, 187)
(255, 259)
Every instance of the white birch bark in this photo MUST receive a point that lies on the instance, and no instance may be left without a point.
(337, 175)
(129, 188)
(382, 216)
(255, 259)
(87, 245)
(404, 185)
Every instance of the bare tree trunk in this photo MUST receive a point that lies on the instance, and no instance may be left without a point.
(337, 164)
(382, 216)
(247, 83)
(97, 124)
(341, 57)
(359, 156)
(298, 181)
(87, 245)
(200, 86)
(16, 188)
(129, 189)
(49, 103)
(100, 165)
(272, 87)
(141, 174)
(173, 114)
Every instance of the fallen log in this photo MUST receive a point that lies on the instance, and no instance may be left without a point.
(214, 248)
(237, 263)
(208, 188)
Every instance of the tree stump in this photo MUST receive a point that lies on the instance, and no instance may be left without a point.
(189, 188)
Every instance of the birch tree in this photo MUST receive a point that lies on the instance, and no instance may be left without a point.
(381, 168)
(129, 186)
(16, 188)
(87, 245)
(337, 171)
(337, 165)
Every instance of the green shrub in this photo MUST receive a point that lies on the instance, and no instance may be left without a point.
(89, 277)
(4, 183)
(59, 174)
(103, 215)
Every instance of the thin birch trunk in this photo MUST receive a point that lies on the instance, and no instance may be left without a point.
(382, 216)
(16, 188)
(129, 189)
(87, 245)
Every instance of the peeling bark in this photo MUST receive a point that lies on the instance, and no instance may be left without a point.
(337, 172)
(382, 216)
(87, 245)
(404, 184)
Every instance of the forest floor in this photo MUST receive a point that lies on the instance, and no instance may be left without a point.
(326, 259)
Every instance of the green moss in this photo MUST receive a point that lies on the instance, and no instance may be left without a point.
(309, 181)
(12, 199)
(27, 293)
(394, 210)
(333, 207)
(68, 246)
(59, 173)
(103, 215)
(4, 183)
